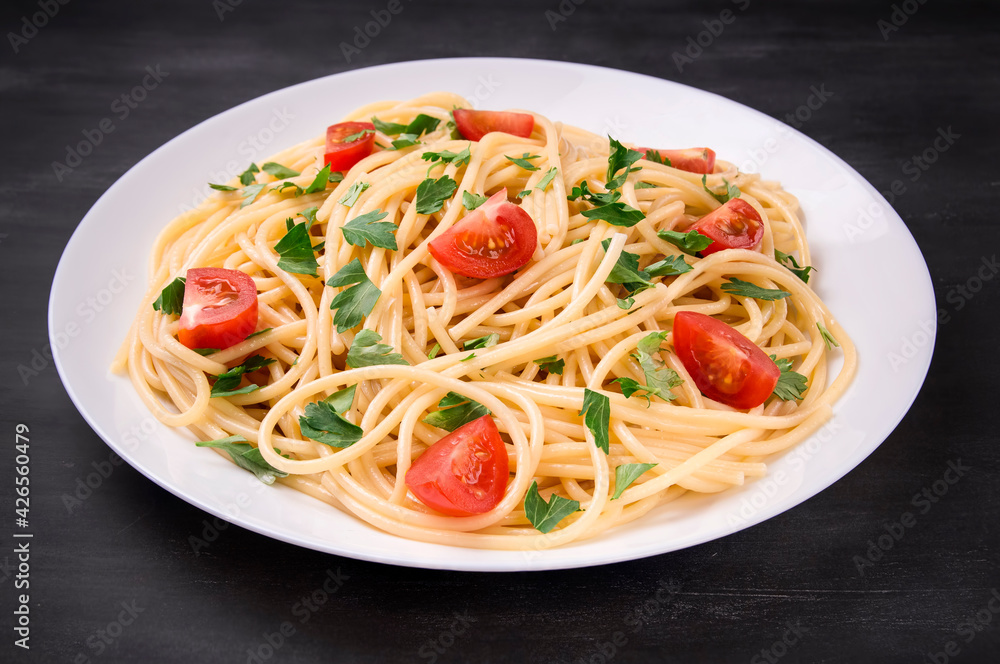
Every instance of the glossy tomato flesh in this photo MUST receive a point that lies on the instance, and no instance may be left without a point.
(342, 156)
(735, 225)
(220, 308)
(724, 364)
(473, 125)
(692, 160)
(464, 473)
(495, 239)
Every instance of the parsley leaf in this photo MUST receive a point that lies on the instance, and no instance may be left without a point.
(342, 400)
(472, 201)
(431, 194)
(482, 342)
(620, 159)
(657, 158)
(259, 332)
(793, 265)
(405, 141)
(246, 457)
(627, 473)
(356, 136)
(206, 351)
(278, 171)
(828, 338)
(351, 197)
(221, 187)
(547, 178)
(626, 272)
(225, 383)
(422, 124)
(645, 185)
(551, 364)
(609, 208)
(732, 191)
(310, 215)
(388, 128)
(690, 243)
(356, 302)
(250, 194)
(523, 161)
(289, 185)
(545, 516)
(597, 417)
(324, 424)
(247, 177)
(455, 410)
(668, 267)
(296, 250)
(320, 181)
(449, 157)
(366, 351)
(660, 379)
(746, 289)
(171, 299)
(369, 228)
(790, 384)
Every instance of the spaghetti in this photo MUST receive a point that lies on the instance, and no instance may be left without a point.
(564, 306)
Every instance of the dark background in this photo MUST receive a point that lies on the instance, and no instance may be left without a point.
(732, 598)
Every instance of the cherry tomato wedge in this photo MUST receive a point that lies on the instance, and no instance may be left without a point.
(724, 364)
(220, 308)
(340, 154)
(473, 125)
(494, 239)
(735, 225)
(692, 160)
(464, 473)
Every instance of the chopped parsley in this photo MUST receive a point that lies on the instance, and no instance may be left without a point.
(455, 410)
(742, 288)
(342, 400)
(790, 384)
(226, 383)
(690, 243)
(471, 201)
(249, 176)
(279, 171)
(171, 299)
(321, 180)
(323, 423)
(793, 265)
(626, 474)
(482, 342)
(369, 228)
(250, 194)
(660, 379)
(545, 516)
(221, 187)
(431, 194)
(366, 351)
(296, 251)
(732, 191)
(547, 179)
(621, 159)
(433, 352)
(597, 417)
(246, 457)
(828, 338)
(449, 157)
(657, 158)
(351, 197)
(551, 365)
(524, 161)
(609, 208)
(356, 302)
(668, 267)
(627, 273)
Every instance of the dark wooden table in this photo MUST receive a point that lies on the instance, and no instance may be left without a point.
(115, 579)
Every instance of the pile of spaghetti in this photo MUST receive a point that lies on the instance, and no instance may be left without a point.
(369, 346)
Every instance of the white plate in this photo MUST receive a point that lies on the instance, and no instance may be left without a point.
(861, 247)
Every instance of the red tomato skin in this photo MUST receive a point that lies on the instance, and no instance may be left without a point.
(220, 326)
(476, 451)
(464, 248)
(342, 156)
(736, 215)
(697, 338)
(692, 160)
(473, 125)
